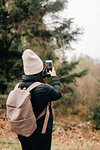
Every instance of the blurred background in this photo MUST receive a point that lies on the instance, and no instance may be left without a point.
(68, 33)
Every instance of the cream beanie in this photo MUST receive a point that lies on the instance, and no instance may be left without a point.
(31, 62)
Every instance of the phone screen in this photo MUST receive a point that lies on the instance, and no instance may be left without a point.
(48, 65)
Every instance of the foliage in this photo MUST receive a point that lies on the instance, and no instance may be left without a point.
(68, 74)
(22, 25)
(87, 90)
(82, 95)
(95, 115)
(65, 34)
(95, 108)
(3, 101)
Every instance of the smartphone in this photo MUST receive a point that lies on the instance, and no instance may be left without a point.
(48, 65)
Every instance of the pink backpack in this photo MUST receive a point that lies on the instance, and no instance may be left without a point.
(20, 113)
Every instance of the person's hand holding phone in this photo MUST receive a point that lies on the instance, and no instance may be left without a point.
(49, 69)
(53, 72)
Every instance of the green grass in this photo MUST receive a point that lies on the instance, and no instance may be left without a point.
(58, 148)
(9, 144)
(14, 144)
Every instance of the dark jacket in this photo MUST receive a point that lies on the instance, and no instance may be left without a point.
(41, 95)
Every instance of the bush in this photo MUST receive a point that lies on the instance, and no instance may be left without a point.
(3, 99)
(95, 115)
(3, 85)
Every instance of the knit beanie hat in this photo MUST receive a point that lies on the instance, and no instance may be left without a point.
(31, 62)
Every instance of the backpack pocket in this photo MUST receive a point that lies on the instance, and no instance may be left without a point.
(24, 127)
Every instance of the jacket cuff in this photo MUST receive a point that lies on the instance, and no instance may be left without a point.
(55, 80)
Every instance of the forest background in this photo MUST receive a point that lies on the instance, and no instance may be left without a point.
(24, 24)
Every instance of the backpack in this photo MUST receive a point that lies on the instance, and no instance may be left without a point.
(20, 113)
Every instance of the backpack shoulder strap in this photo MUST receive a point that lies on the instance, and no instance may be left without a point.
(16, 87)
(32, 86)
(45, 111)
(46, 119)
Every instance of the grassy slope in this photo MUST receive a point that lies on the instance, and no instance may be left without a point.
(68, 134)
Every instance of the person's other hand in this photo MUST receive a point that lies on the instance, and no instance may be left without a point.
(53, 72)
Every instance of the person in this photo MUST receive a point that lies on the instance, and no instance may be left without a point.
(40, 96)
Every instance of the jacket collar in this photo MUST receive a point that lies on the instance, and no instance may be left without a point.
(29, 78)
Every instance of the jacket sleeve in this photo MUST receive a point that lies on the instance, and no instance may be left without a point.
(45, 93)
(54, 91)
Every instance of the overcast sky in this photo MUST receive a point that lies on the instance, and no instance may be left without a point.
(86, 14)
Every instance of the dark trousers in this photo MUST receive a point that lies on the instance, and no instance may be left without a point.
(36, 142)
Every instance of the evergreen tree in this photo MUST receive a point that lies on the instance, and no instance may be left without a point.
(22, 25)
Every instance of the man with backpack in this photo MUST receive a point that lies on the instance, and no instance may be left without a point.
(33, 121)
